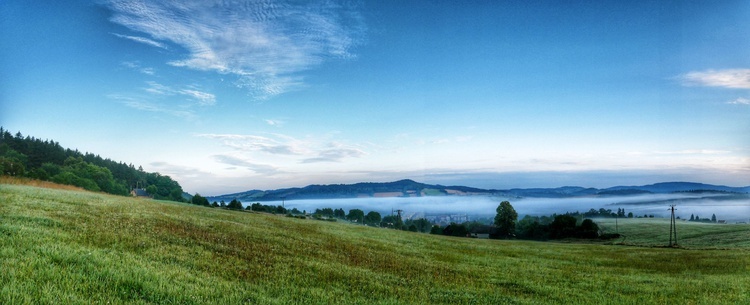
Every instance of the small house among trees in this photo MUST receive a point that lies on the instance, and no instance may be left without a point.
(141, 193)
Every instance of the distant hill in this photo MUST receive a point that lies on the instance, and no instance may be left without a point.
(410, 188)
(401, 188)
(671, 187)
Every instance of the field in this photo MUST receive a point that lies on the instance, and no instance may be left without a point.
(690, 235)
(73, 247)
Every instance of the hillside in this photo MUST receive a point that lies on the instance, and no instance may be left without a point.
(67, 246)
(401, 188)
(410, 188)
(47, 160)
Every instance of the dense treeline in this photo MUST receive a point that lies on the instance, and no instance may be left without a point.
(47, 160)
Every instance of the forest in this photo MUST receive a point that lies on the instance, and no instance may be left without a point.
(46, 160)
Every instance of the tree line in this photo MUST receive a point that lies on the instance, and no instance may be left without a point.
(46, 160)
(506, 225)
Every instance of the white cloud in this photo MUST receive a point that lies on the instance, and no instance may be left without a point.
(729, 78)
(280, 145)
(335, 152)
(149, 106)
(265, 44)
(740, 101)
(203, 98)
(255, 167)
(277, 123)
(137, 66)
(693, 152)
(276, 144)
(142, 40)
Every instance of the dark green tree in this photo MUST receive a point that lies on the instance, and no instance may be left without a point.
(423, 225)
(199, 200)
(455, 229)
(436, 229)
(356, 215)
(588, 229)
(235, 205)
(151, 190)
(392, 221)
(373, 218)
(505, 220)
(562, 227)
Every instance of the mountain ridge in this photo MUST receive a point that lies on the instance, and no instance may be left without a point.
(411, 188)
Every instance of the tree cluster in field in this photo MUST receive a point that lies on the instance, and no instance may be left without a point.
(507, 225)
(699, 219)
(46, 160)
(504, 225)
(556, 227)
(374, 219)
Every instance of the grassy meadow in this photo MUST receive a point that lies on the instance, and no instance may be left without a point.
(64, 246)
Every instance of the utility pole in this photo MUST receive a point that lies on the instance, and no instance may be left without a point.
(672, 228)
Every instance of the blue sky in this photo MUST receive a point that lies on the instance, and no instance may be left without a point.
(227, 96)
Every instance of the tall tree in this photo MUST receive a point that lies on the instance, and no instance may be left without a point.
(505, 220)
(356, 215)
(373, 217)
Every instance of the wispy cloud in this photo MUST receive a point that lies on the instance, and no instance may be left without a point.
(142, 40)
(137, 66)
(279, 144)
(202, 98)
(277, 123)
(335, 155)
(681, 152)
(149, 106)
(276, 144)
(255, 167)
(740, 101)
(266, 44)
(729, 78)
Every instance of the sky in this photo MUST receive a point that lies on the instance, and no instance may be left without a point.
(228, 96)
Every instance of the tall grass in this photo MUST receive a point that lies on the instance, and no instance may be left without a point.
(63, 246)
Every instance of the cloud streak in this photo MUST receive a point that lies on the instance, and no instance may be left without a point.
(729, 78)
(137, 66)
(276, 144)
(145, 105)
(202, 98)
(280, 145)
(255, 167)
(740, 101)
(265, 44)
(142, 40)
(337, 153)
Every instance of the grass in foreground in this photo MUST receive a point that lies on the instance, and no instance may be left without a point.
(63, 246)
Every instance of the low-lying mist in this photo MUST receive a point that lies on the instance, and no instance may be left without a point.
(732, 208)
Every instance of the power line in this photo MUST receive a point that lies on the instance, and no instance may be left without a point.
(672, 228)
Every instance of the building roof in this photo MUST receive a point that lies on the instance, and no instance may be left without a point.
(140, 193)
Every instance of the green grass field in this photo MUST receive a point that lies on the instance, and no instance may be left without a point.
(690, 235)
(72, 247)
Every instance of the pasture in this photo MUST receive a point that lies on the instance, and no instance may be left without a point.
(74, 247)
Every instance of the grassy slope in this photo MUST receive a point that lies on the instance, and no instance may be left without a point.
(63, 246)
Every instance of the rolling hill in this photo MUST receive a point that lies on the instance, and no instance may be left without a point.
(72, 246)
(410, 188)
